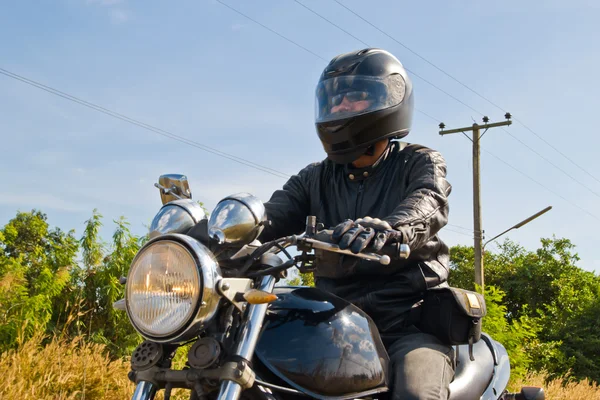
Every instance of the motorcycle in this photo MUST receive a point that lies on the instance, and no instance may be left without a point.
(210, 282)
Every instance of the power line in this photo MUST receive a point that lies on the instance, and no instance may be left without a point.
(557, 150)
(551, 163)
(467, 87)
(437, 87)
(429, 116)
(312, 52)
(160, 131)
(415, 53)
(125, 118)
(455, 231)
(461, 227)
(540, 184)
(271, 30)
(522, 173)
(412, 72)
(337, 26)
(206, 148)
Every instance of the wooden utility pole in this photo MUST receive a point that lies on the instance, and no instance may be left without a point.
(477, 224)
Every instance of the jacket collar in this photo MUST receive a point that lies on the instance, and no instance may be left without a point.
(359, 174)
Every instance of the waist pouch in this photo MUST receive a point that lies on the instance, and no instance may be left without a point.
(453, 315)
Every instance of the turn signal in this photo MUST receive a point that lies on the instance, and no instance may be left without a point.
(255, 296)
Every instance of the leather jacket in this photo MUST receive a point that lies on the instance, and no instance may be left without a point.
(407, 188)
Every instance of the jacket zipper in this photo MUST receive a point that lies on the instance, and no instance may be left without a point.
(358, 200)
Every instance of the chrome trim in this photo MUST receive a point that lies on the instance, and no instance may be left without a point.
(248, 338)
(144, 391)
(230, 390)
(178, 216)
(237, 219)
(246, 250)
(256, 316)
(119, 305)
(210, 274)
(253, 203)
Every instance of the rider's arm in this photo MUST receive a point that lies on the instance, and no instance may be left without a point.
(424, 211)
(288, 207)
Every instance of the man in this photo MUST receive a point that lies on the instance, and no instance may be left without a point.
(364, 101)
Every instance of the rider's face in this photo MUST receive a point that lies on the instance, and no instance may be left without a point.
(350, 105)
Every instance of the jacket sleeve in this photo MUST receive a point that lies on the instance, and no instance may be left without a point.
(424, 210)
(288, 207)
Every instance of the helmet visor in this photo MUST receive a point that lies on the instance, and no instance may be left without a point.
(347, 96)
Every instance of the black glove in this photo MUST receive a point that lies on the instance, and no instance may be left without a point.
(365, 232)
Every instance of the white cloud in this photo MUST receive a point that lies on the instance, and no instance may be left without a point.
(118, 16)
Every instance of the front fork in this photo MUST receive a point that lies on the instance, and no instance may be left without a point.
(144, 391)
(251, 328)
(250, 334)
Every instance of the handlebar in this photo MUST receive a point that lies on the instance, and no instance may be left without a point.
(310, 239)
(402, 251)
(317, 244)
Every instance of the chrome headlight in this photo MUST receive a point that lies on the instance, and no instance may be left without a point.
(178, 216)
(237, 219)
(170, 293)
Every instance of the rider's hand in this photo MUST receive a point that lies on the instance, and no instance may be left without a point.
(365, 232)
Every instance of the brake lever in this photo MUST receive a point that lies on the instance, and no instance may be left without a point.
(317, 244)
(403, 250)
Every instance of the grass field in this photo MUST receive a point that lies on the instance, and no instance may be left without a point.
(61, 370)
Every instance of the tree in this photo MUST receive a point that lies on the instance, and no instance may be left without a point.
(547, 291)
(306, 279)
(98, 281)
(44, 289)
(34, 270)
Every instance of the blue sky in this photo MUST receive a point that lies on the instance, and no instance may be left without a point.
(198, 69)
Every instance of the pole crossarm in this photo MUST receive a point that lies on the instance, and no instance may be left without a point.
(474, 127)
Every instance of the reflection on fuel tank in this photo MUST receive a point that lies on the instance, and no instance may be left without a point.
(322, 343)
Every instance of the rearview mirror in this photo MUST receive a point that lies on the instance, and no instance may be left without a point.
(173, 187)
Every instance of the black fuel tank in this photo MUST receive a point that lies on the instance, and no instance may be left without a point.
(322, 345)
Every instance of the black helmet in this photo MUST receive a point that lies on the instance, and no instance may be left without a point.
(361, 98)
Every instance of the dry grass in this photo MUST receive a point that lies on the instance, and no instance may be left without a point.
(66, 370)
(556, 390)
(62, 370)
(69, 370)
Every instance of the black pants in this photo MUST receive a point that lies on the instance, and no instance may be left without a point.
(421, 367)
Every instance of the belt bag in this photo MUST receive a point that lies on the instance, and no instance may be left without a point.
(453, 315)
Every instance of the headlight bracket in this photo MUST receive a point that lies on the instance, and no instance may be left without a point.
(230, 287)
